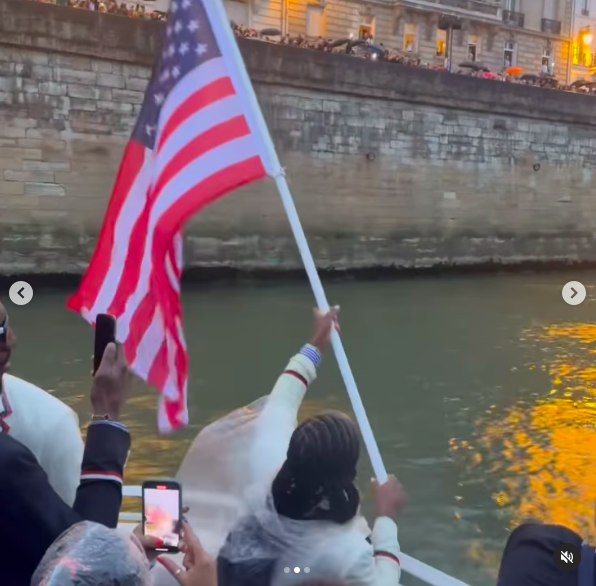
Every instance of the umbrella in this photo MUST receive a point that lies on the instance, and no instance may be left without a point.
(269, 32)
(475, 65)
(513, 70)
(489, 75)
(339, 42)
(376, 50)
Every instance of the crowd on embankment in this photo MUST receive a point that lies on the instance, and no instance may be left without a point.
(364, 48)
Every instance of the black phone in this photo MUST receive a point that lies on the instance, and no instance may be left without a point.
(162, 512)
(105, 333)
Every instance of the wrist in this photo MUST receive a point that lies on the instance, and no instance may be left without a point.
(313, 353)
(102, 412)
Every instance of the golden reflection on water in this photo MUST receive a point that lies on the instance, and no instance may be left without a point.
(540, 453)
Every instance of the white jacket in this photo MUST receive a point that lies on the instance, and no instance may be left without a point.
(49, 428)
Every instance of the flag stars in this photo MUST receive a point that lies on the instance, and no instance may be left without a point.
(173, 6)
(185, 4)
(201, 49)
(159, 98)
(183, 48)
(171, 50)
(175, 72)
(193, 26)
(169, 30)
(178, 26)
(149, 129)
(164, 76)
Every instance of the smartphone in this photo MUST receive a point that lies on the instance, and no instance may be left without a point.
(162, 512)
(105, 333)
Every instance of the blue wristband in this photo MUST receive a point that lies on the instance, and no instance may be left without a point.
(310, 352)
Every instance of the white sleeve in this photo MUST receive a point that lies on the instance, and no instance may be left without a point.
(62, 456)
(279, 417)
(379, 564)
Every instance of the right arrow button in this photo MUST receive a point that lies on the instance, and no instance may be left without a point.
(574, 293)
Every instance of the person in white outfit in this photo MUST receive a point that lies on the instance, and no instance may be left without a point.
(39, 421)
(265, 496)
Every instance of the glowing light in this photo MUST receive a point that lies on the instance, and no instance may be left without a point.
(587, 38)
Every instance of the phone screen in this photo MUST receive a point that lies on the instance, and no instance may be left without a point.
(162, 514)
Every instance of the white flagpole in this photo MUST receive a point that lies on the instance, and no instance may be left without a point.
(221, 27)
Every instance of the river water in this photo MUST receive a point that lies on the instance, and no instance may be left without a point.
(480, 391)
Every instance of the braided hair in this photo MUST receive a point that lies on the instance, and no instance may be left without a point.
(316, 482)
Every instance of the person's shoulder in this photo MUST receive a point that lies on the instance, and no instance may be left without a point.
(10, 451)
(19, 390)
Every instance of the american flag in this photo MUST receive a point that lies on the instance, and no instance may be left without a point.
(195, 140)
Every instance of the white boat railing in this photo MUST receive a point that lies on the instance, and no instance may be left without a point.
(412, 566)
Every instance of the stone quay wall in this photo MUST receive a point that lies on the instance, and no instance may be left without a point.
(388, 165)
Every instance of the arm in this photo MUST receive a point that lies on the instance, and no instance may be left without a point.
(62, 458)
(377, 565)
(278, 419)
(99, 495)
(386, 551)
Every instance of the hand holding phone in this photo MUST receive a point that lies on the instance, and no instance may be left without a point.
(105, 333)
(162, 512)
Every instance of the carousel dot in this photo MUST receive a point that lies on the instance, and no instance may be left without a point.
(296, 570)
(287, 570)
(306, 570)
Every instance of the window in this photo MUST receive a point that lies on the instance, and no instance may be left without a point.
(314, 21)
(410, 37)
(549, 10)
(441, 43)
(473, 49)
(367, 29)
(511, 5)
(509, 54)
(547, 61)
(238, 12)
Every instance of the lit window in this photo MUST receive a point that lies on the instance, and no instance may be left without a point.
(547, 61)
(411, 38)
(473, 48)
(367, 29)
(441, 43)
(238, 12)
(314, 21)
(509, 54)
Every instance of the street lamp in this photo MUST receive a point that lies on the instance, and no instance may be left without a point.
(587, 39)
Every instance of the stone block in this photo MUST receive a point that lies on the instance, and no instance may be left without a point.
(129, 96)
(60, 60)
(20, 154)
(52, 88)
(46, 165)
(12, 132)
(136, 84)
(79, 76)
(34, 176)
(120, 107)
(43, 189)
(110, 80)
(81, 104)
(11, 188)
(89, 92)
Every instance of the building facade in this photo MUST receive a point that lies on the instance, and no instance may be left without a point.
(531, 34)
(583, 55)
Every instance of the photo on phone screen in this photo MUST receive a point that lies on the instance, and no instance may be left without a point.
(162, 512)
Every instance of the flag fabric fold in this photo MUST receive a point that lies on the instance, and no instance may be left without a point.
(193, 143)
